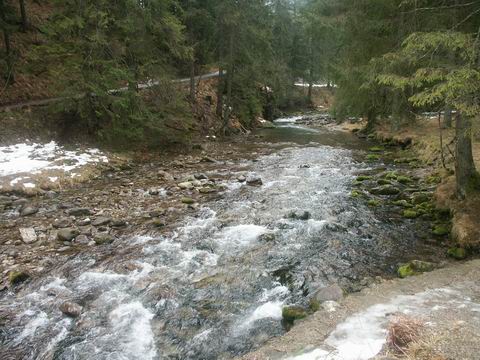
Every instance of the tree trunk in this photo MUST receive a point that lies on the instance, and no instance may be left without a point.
(464, 165)
(220, 90)
(226, 115)
(371, 121)
(447, 117)
(192, 82)
(10, 78)
(23, 13)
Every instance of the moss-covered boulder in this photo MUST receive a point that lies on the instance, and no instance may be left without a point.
(376, 149)
(373, 157)
(404, 179)
(385, 190)
(188, 200)
(421, 197)
(17, 276)
(414, 267)
(402, 203)
(410, 214)
(457, 253)
(391, 175)
(440, 230)
(292, 313)
(384, 182)
(356, 194)
(373, 203)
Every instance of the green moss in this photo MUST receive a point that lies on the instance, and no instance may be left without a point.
(188, 201)
(403, 179)
(433, 179)
(314, 305)
(405, 271)
(363, 178)
(16, 277)
(384, 182)
(440, 230)
(373, 157)
(292, 313)
(457, 253)
(410, 214)
(402, 203)
(355, 194)
(373, 203)
(376, 149)
(391, 175)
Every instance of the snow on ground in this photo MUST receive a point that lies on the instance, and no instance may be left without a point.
(21, 163)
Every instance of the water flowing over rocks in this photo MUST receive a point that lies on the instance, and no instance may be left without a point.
(182, 272)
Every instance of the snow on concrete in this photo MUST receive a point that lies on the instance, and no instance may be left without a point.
(362, 335)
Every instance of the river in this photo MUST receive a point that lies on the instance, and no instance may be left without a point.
(214, 286)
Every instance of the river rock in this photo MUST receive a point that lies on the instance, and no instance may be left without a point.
(242, 179)
(421, 197)
(329, 293)
(82, 239)
(71, 309)
(254, 180)
(101, 221)
(16, 277)
(84, 222)
(67, 234)
(201, 176)
(28, 235)
(19, 202)
(185, 185)
(385, 190)
(188, 200)
(28, 210)
(101, 239)
(77, 211)
(62, 223)
(118, 223)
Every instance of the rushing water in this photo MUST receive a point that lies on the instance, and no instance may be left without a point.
(215, 287)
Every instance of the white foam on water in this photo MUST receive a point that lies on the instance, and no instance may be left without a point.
(241, 234)
(271, 310)
(132, 329)
(141, 239)
(39, 321)
(29, 185)
(290, 119)
(275, 292)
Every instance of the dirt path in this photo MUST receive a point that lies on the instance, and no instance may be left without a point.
(446, 300)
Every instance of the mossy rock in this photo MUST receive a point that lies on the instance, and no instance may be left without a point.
(441, 230)
(357, 183)
(443, 214)
(373, 157)
(292, 313)
(17, 276)
(188, 200)
(414, 267)
(356, 194)
(402, 203)
(404, 179)
(376, 149)
(433, 179)
(405, 271)
(391, 175)
(410, 214)
(457, 253)
(384, 182)
(385, 190)
(314, 305)
(363, 178)
(421, 197)
(373, 203)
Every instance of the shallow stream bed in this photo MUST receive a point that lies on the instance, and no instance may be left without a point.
(213, 287)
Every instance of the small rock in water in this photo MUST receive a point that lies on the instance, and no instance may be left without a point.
(17, 276)
(101, 239)
(71, 309)
(303, 216)
(67, 234)
(101, 221)
(28, 210)
(188, 201)
(79, 211)
(242, 179)
(82, 239)
(28, 235)
(118, 223)
(254, 180)
(267, 237)
(84, 222)
(208, 159)
(201, 176)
